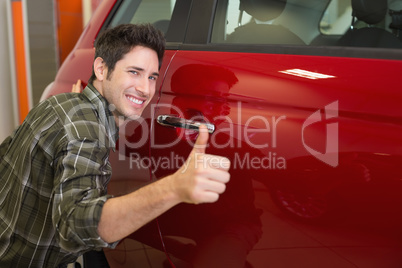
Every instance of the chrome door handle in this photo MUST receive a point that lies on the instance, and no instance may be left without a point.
(174, 121)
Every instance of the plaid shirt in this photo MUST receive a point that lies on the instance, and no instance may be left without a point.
(54, 172)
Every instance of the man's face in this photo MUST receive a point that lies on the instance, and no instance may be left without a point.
(131, 85)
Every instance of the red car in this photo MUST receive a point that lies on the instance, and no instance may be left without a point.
(303, 96)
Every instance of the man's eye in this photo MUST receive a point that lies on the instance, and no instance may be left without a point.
(152, 78)
(133, 72)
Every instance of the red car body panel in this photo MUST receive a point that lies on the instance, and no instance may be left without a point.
(365, 184)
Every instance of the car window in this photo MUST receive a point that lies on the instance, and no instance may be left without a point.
(156, 12)
(309, 22)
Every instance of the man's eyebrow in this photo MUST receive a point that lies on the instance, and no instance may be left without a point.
(141, 70)
(136, 68)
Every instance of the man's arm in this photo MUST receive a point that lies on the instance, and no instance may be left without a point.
(200, 180)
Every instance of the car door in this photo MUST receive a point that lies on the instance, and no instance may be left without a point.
(312, 131)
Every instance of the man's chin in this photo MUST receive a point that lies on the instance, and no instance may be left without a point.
(123, 120)
(132, 117)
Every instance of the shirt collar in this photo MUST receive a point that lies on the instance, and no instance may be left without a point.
(105, 115)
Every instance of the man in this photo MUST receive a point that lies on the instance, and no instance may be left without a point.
(55, 168)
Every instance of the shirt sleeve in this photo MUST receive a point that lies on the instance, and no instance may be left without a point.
(82, 171)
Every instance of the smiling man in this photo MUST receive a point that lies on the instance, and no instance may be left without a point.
(55, 169)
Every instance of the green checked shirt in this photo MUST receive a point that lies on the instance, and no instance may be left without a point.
(54, 172)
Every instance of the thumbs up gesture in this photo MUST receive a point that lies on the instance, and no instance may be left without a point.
(203, 177)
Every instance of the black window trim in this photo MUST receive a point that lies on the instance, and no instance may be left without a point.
(200, 22)
(178, 24)
(327, 51)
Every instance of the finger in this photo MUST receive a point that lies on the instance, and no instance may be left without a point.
(77, 87)
(215, 186)
(207, 197)
(216, 161)
(202, 140)
(207, 190)
(218, 175)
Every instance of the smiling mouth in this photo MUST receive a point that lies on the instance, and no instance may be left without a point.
(135, 100)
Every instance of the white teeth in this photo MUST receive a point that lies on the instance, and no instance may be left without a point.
(134, 100)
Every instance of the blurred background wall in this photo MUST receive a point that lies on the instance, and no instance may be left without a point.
(6, 107)
(49, 29)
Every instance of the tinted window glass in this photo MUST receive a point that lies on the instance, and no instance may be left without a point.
(309, 22)
(157, 12)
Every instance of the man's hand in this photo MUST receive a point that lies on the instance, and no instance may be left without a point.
(77, 87)
(203, 177)
(200, 180)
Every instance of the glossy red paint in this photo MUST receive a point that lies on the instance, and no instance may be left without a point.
(260, 116)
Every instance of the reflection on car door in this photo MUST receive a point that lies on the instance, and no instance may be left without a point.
(276, 122)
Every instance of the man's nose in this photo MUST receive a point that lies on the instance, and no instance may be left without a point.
(143, 86)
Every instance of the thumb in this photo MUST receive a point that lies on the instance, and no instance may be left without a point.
(202, 140)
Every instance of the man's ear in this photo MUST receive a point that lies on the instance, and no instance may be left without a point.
(100, 69)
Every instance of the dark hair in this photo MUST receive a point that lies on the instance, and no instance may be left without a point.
(116, 42)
